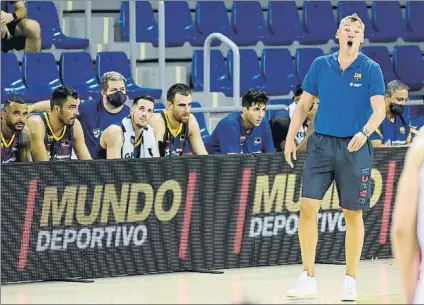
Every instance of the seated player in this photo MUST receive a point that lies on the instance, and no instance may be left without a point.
(15, 136)
(244, 132)
(133, 137)
(177, 130)
(98, 114)
(280, 123)
(57, 133)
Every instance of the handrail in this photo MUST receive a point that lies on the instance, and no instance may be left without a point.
(87, 12)
(207, 65)
(133, 43)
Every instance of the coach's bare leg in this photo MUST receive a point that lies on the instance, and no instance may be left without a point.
(308, 233)
(31, 30)
(354, 240)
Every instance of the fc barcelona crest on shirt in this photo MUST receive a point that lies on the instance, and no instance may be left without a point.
(357, 76)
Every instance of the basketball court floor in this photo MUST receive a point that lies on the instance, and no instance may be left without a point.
(378, 283)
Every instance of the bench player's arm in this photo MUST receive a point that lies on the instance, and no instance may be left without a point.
(196, 142)
(38, 131)
(404, 230)
(25, 149)
(42, 106)
(81, 149)
(158, 126)
(112, 140)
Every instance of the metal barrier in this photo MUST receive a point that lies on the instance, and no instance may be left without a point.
(207, 65)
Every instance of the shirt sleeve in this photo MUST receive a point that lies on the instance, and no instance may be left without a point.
(376, 81)
(310, 83)
(228, 134)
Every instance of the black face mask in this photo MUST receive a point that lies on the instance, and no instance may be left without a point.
(117, 99)
(396, 109)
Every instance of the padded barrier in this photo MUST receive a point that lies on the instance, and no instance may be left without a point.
(92, 219)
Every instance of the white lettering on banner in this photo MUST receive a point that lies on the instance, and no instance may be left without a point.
(61, 239)
(283, 224)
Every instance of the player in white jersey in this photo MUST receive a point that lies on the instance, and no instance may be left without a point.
(408, 223)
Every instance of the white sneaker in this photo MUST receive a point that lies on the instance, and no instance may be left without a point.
(306, 286)
(349, 289)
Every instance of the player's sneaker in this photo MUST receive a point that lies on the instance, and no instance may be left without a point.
(349, 289)
(306, 286)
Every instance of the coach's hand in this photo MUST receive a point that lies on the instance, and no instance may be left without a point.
(357, 142)
(289, 149)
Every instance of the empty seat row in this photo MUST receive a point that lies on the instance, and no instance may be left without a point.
(45, 13)
(278, 73)
(40, 74)
(282, 26)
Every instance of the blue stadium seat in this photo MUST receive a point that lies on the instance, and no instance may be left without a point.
(346, 8)
(210, 17)
(285, 101)
(147, 27)
(381, 55)
(77, 70)
(409, 66)
(284, 26)
(178, 23)
(11, 77)
(248, 24)
(250, 71)
(41, 74)
(218, 72)
(279, 71)
(304, 58)
(200, 117)
(414, 13)
(388, 21)
(46, 14)
(118, 61)
(159, 106)
(318, 22)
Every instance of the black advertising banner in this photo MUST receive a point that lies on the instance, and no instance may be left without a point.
(126, 217)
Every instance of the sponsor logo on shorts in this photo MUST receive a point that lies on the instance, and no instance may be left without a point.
(364, 187)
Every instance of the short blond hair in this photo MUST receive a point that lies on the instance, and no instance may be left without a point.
(354, 17)
(112, 75)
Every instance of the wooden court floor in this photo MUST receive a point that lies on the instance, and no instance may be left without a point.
(378, 283)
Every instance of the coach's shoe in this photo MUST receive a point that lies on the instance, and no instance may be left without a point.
(349, 289)
(306, 286)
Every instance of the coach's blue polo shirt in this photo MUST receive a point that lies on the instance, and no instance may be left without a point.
(229, 136)
(345, 105)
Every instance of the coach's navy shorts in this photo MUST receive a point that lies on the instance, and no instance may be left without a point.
(327, 160)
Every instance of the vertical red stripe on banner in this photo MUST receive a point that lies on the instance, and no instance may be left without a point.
(191, 185)
(244, 192)
(26, 234)
(387, 202)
